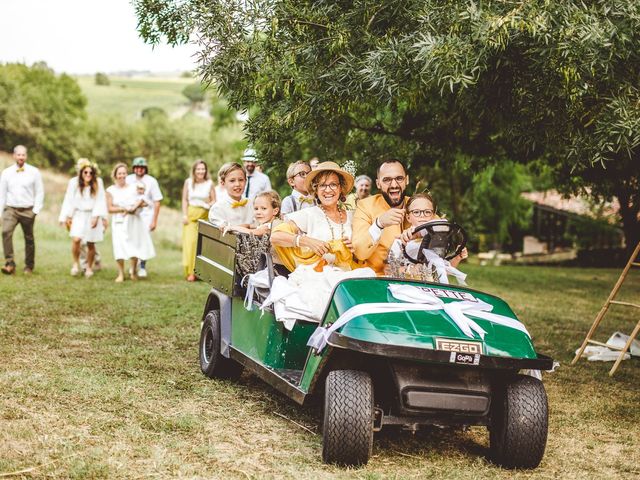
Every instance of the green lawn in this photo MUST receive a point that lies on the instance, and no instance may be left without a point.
(129, 96)
(101, 380)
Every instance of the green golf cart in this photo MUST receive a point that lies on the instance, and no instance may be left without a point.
(388, 352)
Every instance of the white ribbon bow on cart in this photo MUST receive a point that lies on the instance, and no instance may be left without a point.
(418, 299)
(443, 267)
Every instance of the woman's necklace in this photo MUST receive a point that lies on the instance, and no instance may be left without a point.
(331, 226)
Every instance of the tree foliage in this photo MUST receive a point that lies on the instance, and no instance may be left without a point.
(552, 81)
(41, 110)
(195, 93)
(102, 79)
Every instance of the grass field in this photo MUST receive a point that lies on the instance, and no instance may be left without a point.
(129, 96)
(101, 380)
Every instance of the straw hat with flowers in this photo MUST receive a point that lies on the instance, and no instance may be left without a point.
(330, 167)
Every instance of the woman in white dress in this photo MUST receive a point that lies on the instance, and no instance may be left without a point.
(315, 244)
(84, 210)
(319, 235)
(131, 238)
(198, 194)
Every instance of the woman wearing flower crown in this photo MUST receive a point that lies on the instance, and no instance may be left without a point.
(83, 209)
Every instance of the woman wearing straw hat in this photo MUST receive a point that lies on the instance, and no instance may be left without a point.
(315, 245)
(319, 235)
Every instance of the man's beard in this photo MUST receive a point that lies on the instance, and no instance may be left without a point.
(390, 202)
(251, 169)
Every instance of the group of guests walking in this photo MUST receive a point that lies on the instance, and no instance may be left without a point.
(134, 204)
(322, 222)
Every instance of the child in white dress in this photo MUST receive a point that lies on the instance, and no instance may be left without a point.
(83, 210)
(230, 208)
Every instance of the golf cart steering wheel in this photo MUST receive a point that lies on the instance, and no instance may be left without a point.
(445, 238)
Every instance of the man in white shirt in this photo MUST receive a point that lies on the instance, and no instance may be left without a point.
(21, 199)
(296, 174)
(257, 182)
(152, 197)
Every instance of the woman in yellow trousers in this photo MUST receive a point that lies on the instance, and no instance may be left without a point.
(198, 194)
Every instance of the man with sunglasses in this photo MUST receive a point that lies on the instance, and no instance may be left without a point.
(379, 219)
(299, 198)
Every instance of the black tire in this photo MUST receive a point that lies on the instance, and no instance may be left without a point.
(347, 430)
(212, 363)
(519, 423)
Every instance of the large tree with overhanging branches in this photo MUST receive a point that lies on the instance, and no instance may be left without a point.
(549, 82)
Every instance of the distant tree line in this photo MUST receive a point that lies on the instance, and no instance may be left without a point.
(47, 113)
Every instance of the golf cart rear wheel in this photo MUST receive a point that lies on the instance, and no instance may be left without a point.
(347, 431)
(212, 363)
(519, 423)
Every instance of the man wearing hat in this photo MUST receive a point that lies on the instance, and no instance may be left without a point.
(257, 182)
(379, 219)
(152, 197)
(21, 199)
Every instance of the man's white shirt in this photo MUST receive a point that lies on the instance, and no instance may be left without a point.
(258, 182)
(152, 193)
(21, 189)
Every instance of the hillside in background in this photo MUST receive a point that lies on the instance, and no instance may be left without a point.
(128, 96)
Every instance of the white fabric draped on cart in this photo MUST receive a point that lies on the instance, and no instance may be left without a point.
(417, 299)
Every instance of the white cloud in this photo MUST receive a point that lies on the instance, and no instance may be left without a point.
(83, 36)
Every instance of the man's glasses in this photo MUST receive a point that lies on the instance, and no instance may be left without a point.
(389, 180)
(421, 213)
(329, 186)
(302, 174)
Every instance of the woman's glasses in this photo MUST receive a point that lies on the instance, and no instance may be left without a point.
(421, 213)
(329, 186)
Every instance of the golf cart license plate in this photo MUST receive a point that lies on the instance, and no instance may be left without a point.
(458, 346)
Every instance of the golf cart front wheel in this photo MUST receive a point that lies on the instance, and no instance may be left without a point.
(519, 423)
(347, 431)
(212, 363)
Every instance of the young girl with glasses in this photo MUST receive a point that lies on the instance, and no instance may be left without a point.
(420, 209)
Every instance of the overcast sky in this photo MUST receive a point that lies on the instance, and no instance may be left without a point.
(83, 36)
